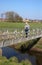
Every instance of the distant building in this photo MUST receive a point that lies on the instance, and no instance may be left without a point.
(25, 20)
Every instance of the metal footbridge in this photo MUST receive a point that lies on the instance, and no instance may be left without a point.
(12, 38)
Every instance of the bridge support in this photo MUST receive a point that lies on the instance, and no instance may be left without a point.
(23, 48)
(32, 43)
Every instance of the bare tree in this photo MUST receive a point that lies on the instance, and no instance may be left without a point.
(12, 17)
(9, 16)
(18, 18)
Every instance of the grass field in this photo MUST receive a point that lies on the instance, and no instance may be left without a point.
(12, 26)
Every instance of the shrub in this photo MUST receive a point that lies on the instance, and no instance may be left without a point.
(26, 62)
(13, 59)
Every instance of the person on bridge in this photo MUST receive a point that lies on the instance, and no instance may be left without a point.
(27, 28)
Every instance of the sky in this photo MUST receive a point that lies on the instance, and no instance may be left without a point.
(31, 9)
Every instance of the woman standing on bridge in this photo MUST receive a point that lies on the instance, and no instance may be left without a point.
(27, 28)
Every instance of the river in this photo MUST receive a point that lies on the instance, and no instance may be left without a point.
(9, 52)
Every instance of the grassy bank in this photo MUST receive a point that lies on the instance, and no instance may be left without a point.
(39, 44)
(13, 61)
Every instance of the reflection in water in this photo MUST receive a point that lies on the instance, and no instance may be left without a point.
(9, 52)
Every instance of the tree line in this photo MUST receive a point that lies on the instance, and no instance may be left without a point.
(11, 16)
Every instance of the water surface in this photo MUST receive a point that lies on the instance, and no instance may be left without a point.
(9, 52)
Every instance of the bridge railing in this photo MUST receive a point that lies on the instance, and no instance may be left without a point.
(7, 38)
(18, 34)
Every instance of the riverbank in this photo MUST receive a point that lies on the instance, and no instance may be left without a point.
(0, 52)
(37, 51)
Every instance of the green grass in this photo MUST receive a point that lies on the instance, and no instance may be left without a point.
(13, 61)
(36, 25)
(11, 25)
(39, 46)
(7, 25)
